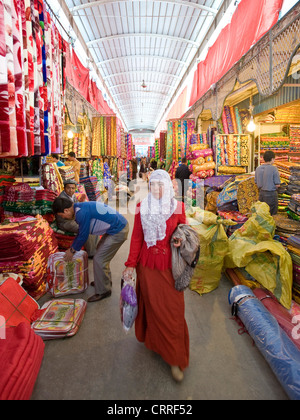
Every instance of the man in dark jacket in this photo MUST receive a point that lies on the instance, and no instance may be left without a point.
(182, 173)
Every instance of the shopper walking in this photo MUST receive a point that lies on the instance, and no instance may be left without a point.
(96, 219)
(160, 323)
(182, 174)
(143, 169)
(267, 180)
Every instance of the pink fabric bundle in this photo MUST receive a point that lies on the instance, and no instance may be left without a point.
(196, 154)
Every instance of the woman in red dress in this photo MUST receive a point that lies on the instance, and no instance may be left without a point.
(160, 323)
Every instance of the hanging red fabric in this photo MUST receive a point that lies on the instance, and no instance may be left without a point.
(249, 23)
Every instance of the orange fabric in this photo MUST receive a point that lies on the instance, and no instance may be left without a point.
(160, 323)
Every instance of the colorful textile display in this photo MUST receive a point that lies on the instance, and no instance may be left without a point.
(233, 151)
(51, 178)
(67, 278)
(22, 353)
(59, 318)
(21, 198)
(278, 143)
(33, 79)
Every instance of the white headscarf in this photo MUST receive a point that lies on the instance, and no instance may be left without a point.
(155, 213)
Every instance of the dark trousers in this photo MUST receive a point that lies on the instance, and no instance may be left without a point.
(271, 198)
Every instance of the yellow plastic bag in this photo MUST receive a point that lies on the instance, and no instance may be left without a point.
(213, 249)
(252, 247)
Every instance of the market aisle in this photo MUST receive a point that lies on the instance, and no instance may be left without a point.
(102, 362)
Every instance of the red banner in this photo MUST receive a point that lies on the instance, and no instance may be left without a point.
(251, 20)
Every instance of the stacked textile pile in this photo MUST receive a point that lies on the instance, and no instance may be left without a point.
(67, 173)
(22, 199)
(278, 143)
(202, 161)
(91, 186)
(294, 180)
(6, 179)
(22, 353)
(25, 248)
(285, 227)
(64, 239)
(294, 152)
(294, 207)
(293, 246)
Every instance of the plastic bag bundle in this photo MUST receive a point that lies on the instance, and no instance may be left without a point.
(214, 247)
(274, 344)
(66, 278)
(128, 303)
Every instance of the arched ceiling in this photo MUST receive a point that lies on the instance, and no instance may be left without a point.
(144, 42)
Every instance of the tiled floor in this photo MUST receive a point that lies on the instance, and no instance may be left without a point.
(102, 362)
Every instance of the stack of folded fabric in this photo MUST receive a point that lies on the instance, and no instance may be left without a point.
(294, 154)
(64, 239)
(294, 180)
(6, 180)
(67, 173)
(22, 199)
(91, 187)
(278, 143)
(294, 207)
(67, 278)
(286, 227)
(22, 353)
(25, 247)
(59, 318)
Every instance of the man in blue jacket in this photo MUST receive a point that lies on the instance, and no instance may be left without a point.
(95, 218)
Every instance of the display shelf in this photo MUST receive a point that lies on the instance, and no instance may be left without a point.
(233, 151)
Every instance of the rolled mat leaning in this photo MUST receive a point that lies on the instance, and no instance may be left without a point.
(278, 350)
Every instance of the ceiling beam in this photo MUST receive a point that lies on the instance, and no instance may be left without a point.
(156, 57)
(132, 72)
(141, 35)
(178, 2)
(136, 83)
(153, 92)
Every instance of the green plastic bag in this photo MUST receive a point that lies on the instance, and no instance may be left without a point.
(252, 247)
